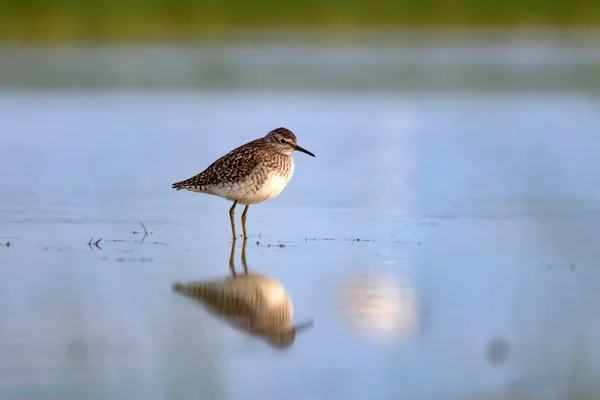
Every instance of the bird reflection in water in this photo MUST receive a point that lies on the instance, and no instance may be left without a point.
(256, 304)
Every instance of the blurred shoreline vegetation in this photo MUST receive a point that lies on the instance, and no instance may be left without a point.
(164, 20)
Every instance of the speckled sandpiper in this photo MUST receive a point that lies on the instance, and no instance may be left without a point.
(250, 174)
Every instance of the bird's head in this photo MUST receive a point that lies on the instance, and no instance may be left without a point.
(285, 141)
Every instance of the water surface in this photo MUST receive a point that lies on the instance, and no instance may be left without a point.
(444, 242)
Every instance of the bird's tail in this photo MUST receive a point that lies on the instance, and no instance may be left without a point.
(185, 184)
(180, 185)
(194, 184)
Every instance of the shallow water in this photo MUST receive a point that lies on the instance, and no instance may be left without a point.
(444, 243)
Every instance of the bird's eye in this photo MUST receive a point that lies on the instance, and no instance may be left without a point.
(282, 141)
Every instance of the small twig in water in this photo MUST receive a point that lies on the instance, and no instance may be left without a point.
(96, 243)
(145, 231)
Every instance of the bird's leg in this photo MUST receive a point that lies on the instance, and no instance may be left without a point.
(231, 215)
(244, 256)
(231, 257)
(244, 220)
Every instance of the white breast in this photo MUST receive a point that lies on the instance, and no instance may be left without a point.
(270, 189)
(247, 192)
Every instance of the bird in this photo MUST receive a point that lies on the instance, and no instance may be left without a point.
(249, 174)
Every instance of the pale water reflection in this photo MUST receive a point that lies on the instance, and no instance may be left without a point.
(381, 307)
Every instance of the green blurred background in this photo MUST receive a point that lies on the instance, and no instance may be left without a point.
(114, 20)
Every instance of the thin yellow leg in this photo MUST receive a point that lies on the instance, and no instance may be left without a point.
(244, 220)
(244, 256)
(231, 215)
(231, 257)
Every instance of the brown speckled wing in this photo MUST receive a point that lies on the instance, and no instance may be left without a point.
(230, 168)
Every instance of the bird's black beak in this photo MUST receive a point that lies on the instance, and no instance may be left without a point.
(303, 150)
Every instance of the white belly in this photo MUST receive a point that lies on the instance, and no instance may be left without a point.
(247, 192)
(269, 190)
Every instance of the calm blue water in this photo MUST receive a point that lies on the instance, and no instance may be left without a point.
(475, 274)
